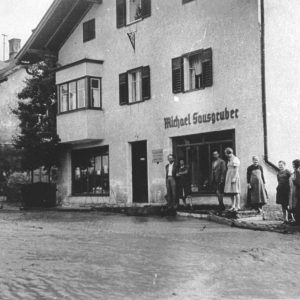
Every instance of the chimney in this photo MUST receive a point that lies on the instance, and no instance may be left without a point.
(14, 47)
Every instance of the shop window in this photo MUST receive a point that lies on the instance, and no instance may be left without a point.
(134, 86)
(89, 32)
(90, 171)
(129, 11)
(192, 71)
(78, 94)
(197, 150)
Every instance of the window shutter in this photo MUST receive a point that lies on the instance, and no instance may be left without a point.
(186, 1)
(121, 13)
(177, 74)
(146, 8)
(89, 32)
(123, 88)
(207, 71)
(146, 91)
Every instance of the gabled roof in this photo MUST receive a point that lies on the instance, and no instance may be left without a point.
(54, 29)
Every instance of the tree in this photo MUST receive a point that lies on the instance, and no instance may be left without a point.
(37, 110)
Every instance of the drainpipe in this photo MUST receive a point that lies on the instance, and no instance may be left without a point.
(263, 85)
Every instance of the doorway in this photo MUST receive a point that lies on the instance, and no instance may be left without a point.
(139, 172)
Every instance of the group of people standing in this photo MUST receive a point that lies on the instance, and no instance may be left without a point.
(288, 191)
(227, 181)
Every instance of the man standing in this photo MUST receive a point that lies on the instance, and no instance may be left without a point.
(218, 174)
(171, 182)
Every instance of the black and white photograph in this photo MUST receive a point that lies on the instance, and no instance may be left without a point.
(149, 149)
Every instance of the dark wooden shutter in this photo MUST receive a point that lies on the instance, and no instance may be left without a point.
(207, 70)
(177, 74)
(146, 8)
(121, 13)
(89, 32)
(146, 91)
(123, 88)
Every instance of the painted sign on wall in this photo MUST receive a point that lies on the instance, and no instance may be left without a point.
(197, 118)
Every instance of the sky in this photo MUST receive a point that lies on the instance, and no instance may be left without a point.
(18, 18)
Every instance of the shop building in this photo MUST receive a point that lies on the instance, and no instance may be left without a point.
(140, 79)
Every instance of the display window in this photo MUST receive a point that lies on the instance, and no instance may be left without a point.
(197, 150)
(90, 171)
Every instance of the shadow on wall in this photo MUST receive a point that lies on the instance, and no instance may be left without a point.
(157, 193)
(118, 194)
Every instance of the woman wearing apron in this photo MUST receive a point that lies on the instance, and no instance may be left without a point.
(256, 185)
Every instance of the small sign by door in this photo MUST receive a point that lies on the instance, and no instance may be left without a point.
(157, 156)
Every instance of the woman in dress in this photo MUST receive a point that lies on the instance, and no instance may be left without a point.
(184, 183)
(256, 185)
(232, 181)
(283, 189)
(294, 203)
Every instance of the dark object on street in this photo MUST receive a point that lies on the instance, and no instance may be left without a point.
(203, 228)
(1, 206)
(39, 194)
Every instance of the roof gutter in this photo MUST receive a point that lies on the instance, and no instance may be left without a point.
(263, 86)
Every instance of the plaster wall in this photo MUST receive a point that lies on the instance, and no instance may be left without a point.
(229, 27)
(282, 48)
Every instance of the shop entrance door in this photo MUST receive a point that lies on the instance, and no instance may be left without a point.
(139, 172)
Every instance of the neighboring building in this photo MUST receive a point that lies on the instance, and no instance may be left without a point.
(12, 77)
(140, 79)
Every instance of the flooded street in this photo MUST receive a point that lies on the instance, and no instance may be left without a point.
(55, 255)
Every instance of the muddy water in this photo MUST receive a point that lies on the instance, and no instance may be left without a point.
(47, 255)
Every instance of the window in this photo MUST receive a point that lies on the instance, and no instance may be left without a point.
(192, 71)
(72, 95)
(129, 11)
(89, 32)
(90, 171)
(134, 86)
(197, 150)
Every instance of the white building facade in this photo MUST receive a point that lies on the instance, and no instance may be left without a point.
(140, 79)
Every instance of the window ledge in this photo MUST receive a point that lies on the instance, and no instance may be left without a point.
(79, 109)
(90, 195)
(133, 22)
(136, 102)
(193, 90)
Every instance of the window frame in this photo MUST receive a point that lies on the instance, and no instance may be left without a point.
(88, 93)
(145, 85)
(178, 66)
(123, 12)
(88, 154)
(86, 35)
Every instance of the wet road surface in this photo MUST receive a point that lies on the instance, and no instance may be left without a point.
(55, 255)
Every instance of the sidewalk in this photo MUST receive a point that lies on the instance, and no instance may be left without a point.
(245, 219)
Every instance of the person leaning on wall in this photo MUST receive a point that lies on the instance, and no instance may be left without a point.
(171, 170)
(232, 181)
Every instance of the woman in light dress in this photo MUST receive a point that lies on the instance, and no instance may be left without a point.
(232, 181)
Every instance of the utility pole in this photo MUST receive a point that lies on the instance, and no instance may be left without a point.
(4, 35)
